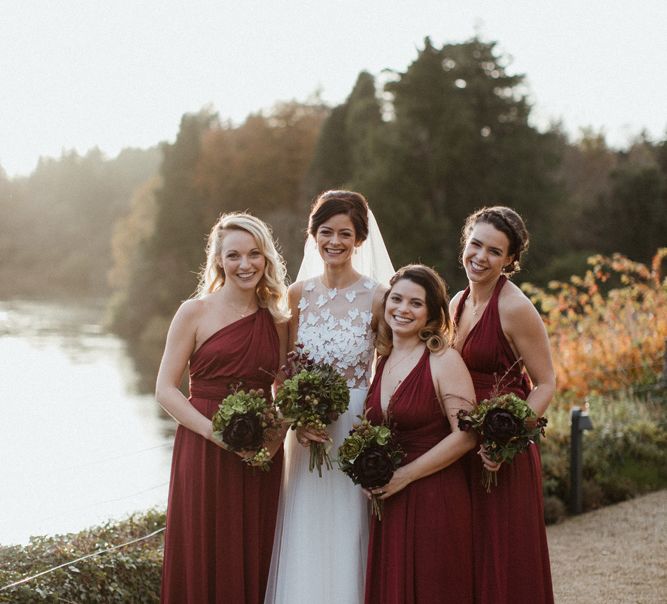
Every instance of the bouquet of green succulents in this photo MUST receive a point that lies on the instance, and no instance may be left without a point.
(312, 396)
(245, 421)
(370, 456)
(506, 426)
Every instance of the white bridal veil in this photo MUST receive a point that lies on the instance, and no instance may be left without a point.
(370, 258)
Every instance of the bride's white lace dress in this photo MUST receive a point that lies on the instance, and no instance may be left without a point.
(320, 547)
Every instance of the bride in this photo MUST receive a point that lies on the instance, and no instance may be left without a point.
(320, 546)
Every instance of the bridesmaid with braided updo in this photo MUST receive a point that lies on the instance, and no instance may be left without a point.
(504, 344)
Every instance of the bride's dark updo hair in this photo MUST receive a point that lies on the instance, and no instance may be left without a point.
(437, 332)
(331, 203)
(507, 221)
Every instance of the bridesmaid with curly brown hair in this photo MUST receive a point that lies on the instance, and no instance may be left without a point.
(421, 550)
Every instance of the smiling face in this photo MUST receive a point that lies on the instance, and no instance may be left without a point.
(241, 259)
(485, 253)
(405, 310)
(335, 240)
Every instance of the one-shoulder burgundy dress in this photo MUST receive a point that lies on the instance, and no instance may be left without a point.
(421, 550)
(511, 556)
(221, 512)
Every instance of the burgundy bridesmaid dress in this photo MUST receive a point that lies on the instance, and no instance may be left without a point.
(421, 550)
(511, 556)
(221, 512)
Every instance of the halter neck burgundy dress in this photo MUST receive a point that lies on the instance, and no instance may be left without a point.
(421, 550)
(511, 556)
(221, 513)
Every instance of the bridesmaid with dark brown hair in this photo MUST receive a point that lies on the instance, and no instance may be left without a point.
(221, 513)
(421, 550)
(504, 344)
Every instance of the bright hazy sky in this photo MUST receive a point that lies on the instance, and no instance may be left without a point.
(119, 73)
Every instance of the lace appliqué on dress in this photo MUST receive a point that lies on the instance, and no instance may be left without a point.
(336, 328)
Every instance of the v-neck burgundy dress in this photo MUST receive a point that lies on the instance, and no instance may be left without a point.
(421, 550)
(221, 512)
(511, 556)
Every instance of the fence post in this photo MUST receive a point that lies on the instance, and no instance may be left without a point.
(579, 421)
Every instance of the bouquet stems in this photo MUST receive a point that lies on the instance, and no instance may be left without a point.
(489, 479)
(377, 506)
(319, 456)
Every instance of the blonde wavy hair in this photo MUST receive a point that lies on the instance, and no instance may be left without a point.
(271, 289)
(437, 333)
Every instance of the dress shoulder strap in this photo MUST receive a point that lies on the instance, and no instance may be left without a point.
(499, 286)
(491, 310)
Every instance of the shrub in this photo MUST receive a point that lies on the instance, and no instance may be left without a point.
(607, 329)
(628, 454)
(554, 509)
(128, 574)
(625, 454)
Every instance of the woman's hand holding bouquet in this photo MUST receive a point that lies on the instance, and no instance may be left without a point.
(312, 396)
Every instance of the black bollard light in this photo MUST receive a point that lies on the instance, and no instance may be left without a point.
(579, 422)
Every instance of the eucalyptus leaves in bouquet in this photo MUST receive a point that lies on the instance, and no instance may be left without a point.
(312, 396)
(245, 421)
(370, 456)
(507, 426)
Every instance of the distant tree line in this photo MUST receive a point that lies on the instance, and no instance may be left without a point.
(56, 225)
(427, 146)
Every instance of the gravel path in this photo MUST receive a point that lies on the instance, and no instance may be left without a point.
(614, 555)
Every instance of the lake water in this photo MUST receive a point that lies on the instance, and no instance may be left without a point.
(78, 445)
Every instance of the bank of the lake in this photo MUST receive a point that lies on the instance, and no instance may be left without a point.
(78, 443)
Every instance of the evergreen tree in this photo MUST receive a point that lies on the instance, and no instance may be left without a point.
(330, 168)
(455, 136)
(348, 140)
(629, 213)
(175, 250)
(633, 220)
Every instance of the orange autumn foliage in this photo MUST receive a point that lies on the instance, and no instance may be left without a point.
(608, 328)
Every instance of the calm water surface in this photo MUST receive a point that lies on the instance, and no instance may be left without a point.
(78, 445)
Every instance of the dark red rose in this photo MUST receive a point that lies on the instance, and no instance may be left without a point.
(500, 426)
(465, 423)
(244, 432)
(542, 424)
(374, 467)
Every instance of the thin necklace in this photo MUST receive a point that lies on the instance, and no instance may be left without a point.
(388, 370)
(477, 308)
(239, 312)
(400, 361)
(480, 306)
